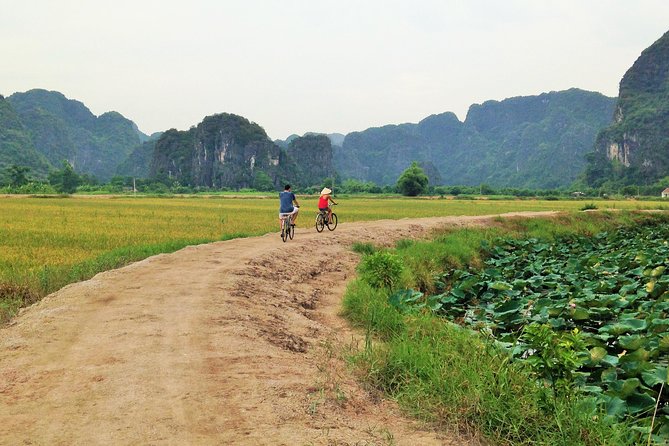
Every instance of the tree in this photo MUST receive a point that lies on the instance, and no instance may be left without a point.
(412, 181)
(65, 180)
(18, 175)
(485, 189)
(262, 181)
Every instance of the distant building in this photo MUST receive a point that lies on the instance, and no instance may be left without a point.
(578, 194)
(665, 193)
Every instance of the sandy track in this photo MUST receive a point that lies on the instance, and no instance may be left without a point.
(235, 342)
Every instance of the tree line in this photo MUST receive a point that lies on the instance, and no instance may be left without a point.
(412, 182)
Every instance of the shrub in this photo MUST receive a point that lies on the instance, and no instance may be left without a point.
(589, 207)
(412, 181)
(363, 248)
(381, 270)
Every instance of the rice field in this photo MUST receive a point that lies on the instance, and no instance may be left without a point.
(46, 243)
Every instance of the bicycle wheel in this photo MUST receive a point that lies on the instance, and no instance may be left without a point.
(320, 222)
(291, 231)
(333, 225)
(284, 233)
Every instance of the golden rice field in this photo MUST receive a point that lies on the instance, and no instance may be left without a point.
(46, 243)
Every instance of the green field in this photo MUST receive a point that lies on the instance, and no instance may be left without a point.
(46, 243)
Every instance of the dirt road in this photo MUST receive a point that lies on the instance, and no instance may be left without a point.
(235, 342)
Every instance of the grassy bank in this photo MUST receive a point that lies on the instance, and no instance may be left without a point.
(456, 377)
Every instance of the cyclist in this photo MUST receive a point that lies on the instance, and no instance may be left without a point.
(324, 202)
(287, 199)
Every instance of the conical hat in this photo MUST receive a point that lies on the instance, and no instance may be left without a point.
(326, 191)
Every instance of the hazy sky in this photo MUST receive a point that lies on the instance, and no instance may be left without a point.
(312, 65)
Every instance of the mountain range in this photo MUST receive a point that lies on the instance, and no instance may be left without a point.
(57, 128)
(530, 142)
(543, 141)
(533, 142)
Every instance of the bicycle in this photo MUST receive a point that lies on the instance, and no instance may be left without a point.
(287, 230)
(322, 221)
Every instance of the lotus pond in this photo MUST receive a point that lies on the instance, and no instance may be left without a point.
(590, 315)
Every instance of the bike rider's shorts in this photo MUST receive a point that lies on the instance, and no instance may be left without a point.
(286, 214)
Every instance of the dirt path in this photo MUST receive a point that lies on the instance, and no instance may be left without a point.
(234, 342)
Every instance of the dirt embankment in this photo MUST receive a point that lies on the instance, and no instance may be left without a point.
(235, 342)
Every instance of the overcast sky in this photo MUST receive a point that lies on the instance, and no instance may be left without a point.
(312, 65)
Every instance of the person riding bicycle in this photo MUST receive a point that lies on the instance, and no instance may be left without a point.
(324, 203)
(286, 199)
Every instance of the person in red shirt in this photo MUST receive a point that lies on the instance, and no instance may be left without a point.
(324, 202)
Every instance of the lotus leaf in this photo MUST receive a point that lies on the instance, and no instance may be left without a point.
(468, 283)
(508, 307)
(597, 354)
(591, 389)
(624, 326)
(520, 284)
(500, 286)
(457, 293)
(632, 342)
(557, 323)
(639, 402)
(632, 368)
(402, 299)
(626, 387)
(640, 354)
(656, 376)
(628, 288)
(658, 271)
(611, 360)
(664, 342)
(660, 325)
(609, 375)
(580, 314)
(616, 407)
(492, 272)
(636, 272)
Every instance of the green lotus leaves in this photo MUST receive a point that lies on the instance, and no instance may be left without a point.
(504, 309)
(641, 258)
(632, 342)
(639, 402)
(657, 375)
(659, 325)
(555, 311)
(625, 326)
(658, 271)
(597, 354)
(609, 375)
(628, 288)
(664, 342)
(501, 286)
(403, 300)
(580, 314)
(612, 287)
(616, 407)
(626, 387)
